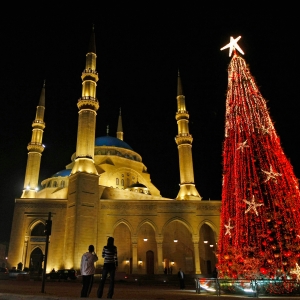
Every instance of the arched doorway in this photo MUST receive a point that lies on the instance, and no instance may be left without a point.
(178, 248)
(146, 249)
(36, 260)
(150, 262)
(207, 248)
(122, 236)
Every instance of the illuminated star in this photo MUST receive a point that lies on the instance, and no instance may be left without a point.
(228, 228)
(252, 205)
(265, 130)
(297, 271)
(233, 45)
(271, 174)
(242, 146)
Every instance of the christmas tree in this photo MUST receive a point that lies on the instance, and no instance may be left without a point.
(260, 217)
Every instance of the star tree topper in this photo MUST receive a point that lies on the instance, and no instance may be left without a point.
(232, 45)
(228, 228)
(252, 205)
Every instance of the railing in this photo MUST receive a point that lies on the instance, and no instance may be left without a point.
(90, 71)
(87, 98)
(247, 287)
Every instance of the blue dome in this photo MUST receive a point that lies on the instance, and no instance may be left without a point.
(111, 141)
(63, 173)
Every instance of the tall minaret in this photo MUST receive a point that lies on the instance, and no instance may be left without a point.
(87, 105)
(120, 127)
(35, 149)
(83, 189)
(184, 141)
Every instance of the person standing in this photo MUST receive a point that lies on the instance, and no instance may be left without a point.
(87, 269)
(181, 279)
(110, 255)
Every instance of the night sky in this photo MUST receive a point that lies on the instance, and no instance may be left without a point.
(139, 51)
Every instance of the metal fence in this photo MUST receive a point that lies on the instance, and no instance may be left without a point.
(253, 287)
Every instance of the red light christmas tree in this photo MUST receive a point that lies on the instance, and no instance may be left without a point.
(260, 217)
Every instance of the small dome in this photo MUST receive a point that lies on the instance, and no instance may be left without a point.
(63, 173)
(137, 185)
(111, 141)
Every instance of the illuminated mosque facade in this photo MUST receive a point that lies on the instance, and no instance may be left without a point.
(106, 191)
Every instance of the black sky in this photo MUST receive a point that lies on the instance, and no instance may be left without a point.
(139, 50)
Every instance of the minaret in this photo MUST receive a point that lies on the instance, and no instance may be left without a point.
(184, 141)
(120, 128)
(83, 196)
(87, 105)
(35, 149)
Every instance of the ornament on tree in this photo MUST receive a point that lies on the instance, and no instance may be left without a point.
(252, 205)
(241, 146)
(271, 174)
(228, 228)
(264, 130)
(296, 272)
(259, 188)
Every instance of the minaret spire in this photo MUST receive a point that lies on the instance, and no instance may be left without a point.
(120, 127)
(35, 149)
(92, 44)
(184, 141)
(179, 85)
(88, 106)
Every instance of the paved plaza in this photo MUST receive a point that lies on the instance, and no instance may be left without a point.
(31, 290)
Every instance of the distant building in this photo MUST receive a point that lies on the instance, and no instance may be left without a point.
(106, 190)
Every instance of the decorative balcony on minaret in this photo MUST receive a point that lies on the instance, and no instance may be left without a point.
(184, 141)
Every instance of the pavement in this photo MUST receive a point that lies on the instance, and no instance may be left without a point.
(53, 290)
(16, 290)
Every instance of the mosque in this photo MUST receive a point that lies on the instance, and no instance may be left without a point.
(105, 191)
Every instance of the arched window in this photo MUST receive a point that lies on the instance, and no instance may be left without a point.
(38, 229)
(62, 184)
(122, 182)
(117, 181)
(54, 184)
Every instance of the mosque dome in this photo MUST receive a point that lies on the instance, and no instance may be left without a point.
(137, 185)
(63, 173)
(111, 141)
(138, 188)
